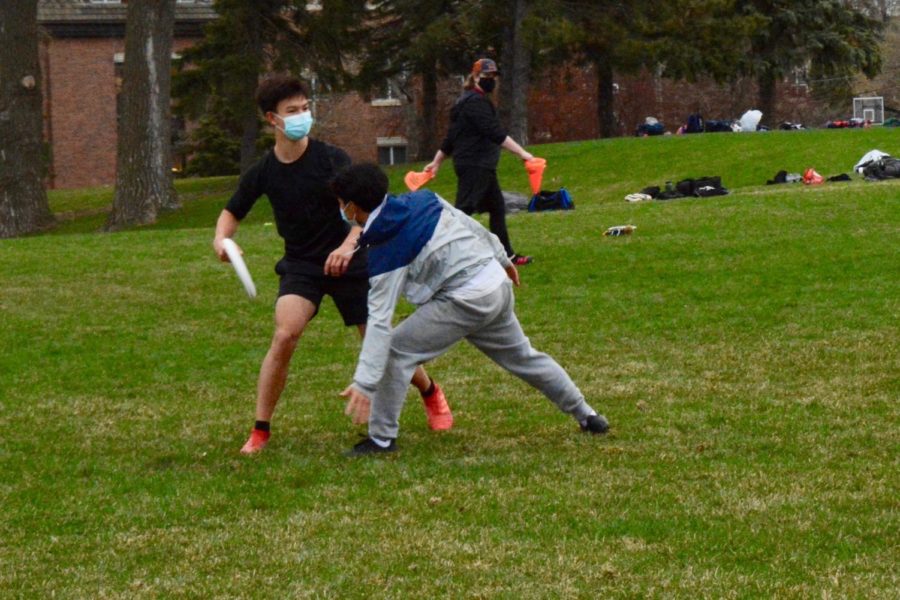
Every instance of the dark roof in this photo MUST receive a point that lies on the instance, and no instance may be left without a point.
(92, 19)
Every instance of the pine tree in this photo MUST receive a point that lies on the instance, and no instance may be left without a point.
(216, 149)
(218, 77)
(835, 40)
(681, 39)
(419, 40)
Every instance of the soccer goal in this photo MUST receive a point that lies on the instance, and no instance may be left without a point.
(869, 108)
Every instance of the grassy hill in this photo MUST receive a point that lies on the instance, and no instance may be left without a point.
(743, 347)
(594, 171)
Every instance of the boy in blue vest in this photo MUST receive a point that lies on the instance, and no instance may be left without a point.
(459, 276)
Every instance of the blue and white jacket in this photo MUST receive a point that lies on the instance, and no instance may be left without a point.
(421, 246)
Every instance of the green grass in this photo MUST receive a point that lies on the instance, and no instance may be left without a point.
(744, 348)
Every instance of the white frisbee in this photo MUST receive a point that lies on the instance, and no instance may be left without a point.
(240, 267)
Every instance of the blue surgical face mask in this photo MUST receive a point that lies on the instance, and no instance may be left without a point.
(297, 126)
(350, 222)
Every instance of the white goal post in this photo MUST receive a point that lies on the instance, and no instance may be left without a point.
(869, 108)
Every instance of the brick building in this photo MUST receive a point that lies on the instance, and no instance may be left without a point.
(562, 108)
(82, 53)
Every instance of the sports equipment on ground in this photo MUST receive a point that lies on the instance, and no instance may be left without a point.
(618, 230)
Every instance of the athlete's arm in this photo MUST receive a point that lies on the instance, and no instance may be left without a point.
(513, 146)
(226, 227)
(339, 260)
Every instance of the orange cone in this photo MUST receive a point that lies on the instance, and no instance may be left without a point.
(415, 180)
(535, 168)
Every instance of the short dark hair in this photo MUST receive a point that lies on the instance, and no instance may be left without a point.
(364, 185)
(275, 88)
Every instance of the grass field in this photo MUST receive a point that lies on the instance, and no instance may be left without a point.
(745, 349)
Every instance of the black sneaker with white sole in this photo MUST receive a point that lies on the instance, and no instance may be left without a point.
(595, 424)
(371, 446)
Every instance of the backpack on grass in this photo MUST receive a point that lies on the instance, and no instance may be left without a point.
(694, 124)
(886, 167)
(701, 187)
(545, 200)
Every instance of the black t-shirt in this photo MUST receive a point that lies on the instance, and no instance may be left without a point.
(305, 208)
(475, 132)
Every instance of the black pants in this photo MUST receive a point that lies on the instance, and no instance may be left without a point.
(479, 191)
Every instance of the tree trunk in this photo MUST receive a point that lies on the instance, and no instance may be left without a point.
(249, 136)
(515, 63)
(144, 160)
(249, 74)
(428, 142)
(23, 200)
(605, 99)
(768, 86)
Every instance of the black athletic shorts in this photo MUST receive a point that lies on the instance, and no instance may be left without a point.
(350, 293)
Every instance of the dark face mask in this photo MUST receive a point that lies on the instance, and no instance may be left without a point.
(487, 85)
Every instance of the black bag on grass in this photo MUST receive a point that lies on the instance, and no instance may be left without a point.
(715, 126)
(544, 200)
(652, 191)
(701, 187)
(694, 124)
(886, 167)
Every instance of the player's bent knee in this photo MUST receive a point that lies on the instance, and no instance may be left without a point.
(285, 339)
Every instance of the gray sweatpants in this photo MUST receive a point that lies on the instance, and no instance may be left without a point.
(490, 324)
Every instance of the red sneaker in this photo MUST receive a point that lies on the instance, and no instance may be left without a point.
(439, 416)
(521, 259)
(257, 441)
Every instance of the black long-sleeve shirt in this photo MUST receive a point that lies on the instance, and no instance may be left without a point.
(475, 132)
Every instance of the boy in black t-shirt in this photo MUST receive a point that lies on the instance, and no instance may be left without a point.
(319, 246)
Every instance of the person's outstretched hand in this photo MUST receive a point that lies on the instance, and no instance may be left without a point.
(513, 274)
(358, 405)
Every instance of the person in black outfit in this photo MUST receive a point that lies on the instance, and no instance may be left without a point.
(320, 254)
(474, 140)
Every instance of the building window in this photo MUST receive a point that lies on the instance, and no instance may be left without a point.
(388, 94)
(391, 155)
(801, 76)
(391, 150)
